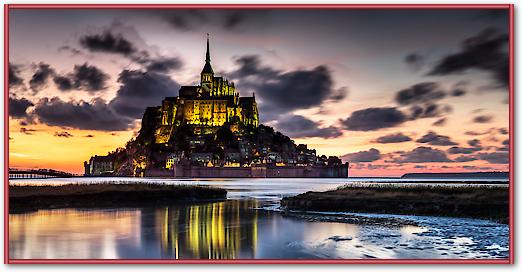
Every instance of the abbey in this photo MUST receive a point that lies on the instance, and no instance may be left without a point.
(207, 106)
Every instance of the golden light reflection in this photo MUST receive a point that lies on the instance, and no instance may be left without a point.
(208, 231)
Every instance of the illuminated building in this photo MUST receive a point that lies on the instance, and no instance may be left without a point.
(207, 106)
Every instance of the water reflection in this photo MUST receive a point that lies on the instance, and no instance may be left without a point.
(236, 229)
(207, 231)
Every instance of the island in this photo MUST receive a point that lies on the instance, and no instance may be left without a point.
(210, 131)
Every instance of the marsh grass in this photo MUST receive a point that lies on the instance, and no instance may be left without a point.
(105, 194)
(476, 201)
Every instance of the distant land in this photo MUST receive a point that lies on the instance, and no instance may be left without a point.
(480, 175)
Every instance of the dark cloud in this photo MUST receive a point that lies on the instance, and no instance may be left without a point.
(425, 92)
(111, 41)
(83, 77)
(186, 20)
(89, 136)
(94, 115)
(70, 49)
(18, 107)
(14, 75)
(301, 127)
(63, 83)
(483, 119)
(89, 78)
(465, 158)
(495, 157)
(440, 122)
(474, 143)
(139, 90)
(393, 138)
(41, 76)
(428, 111)
(234, 20)
(503, 131)
(486, 52)
(374, 119)
(432, 138)
(63, 134)
(505, 146)
(108, 42)
(164, 65)
(363, 156)
(422, 155)
(229, 20)
(281, 92)
(414, 61)
(458, 92)
(477, 133)
(27, 131)
(463, 150)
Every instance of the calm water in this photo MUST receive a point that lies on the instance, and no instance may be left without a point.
(245, 226)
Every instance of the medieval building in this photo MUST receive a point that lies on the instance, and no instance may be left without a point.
(207, 106)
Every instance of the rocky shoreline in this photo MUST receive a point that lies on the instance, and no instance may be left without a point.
(26, 198)
(482, 202)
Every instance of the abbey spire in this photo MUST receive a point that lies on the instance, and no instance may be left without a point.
(207, 69)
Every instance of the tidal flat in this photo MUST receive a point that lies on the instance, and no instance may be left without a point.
(481, 202)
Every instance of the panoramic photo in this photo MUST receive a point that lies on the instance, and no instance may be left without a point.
(276, 134)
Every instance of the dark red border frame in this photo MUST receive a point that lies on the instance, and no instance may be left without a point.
(510, 7)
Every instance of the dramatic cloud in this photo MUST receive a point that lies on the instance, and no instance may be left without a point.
(464, 158)
(281, 92)
(414, 61)
(426, 92)
(163, 65)
(474, 143)
(487, 52)
(422, 155)
(89, 78)
(440, 122)
(363, 156)
(393, 138)
(495, 157)
(463, 150)
(63, 134)
(94, 115)
(41, 76)
(140, 90)
(63, 83)
(374, 119)
(432, 138)
(230, 20)
(429, 110)
(14, 76)
(109, 43)
(458, 92)
(301, 127)
(83, 77)
(503, 131)
(18, 107)
(483, 119)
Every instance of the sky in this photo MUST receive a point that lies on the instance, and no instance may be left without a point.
(390, 91)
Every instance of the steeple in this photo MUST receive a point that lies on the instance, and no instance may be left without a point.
(208, 50)
(208, 68)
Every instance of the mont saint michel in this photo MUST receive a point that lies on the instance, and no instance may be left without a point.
(209, 130)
